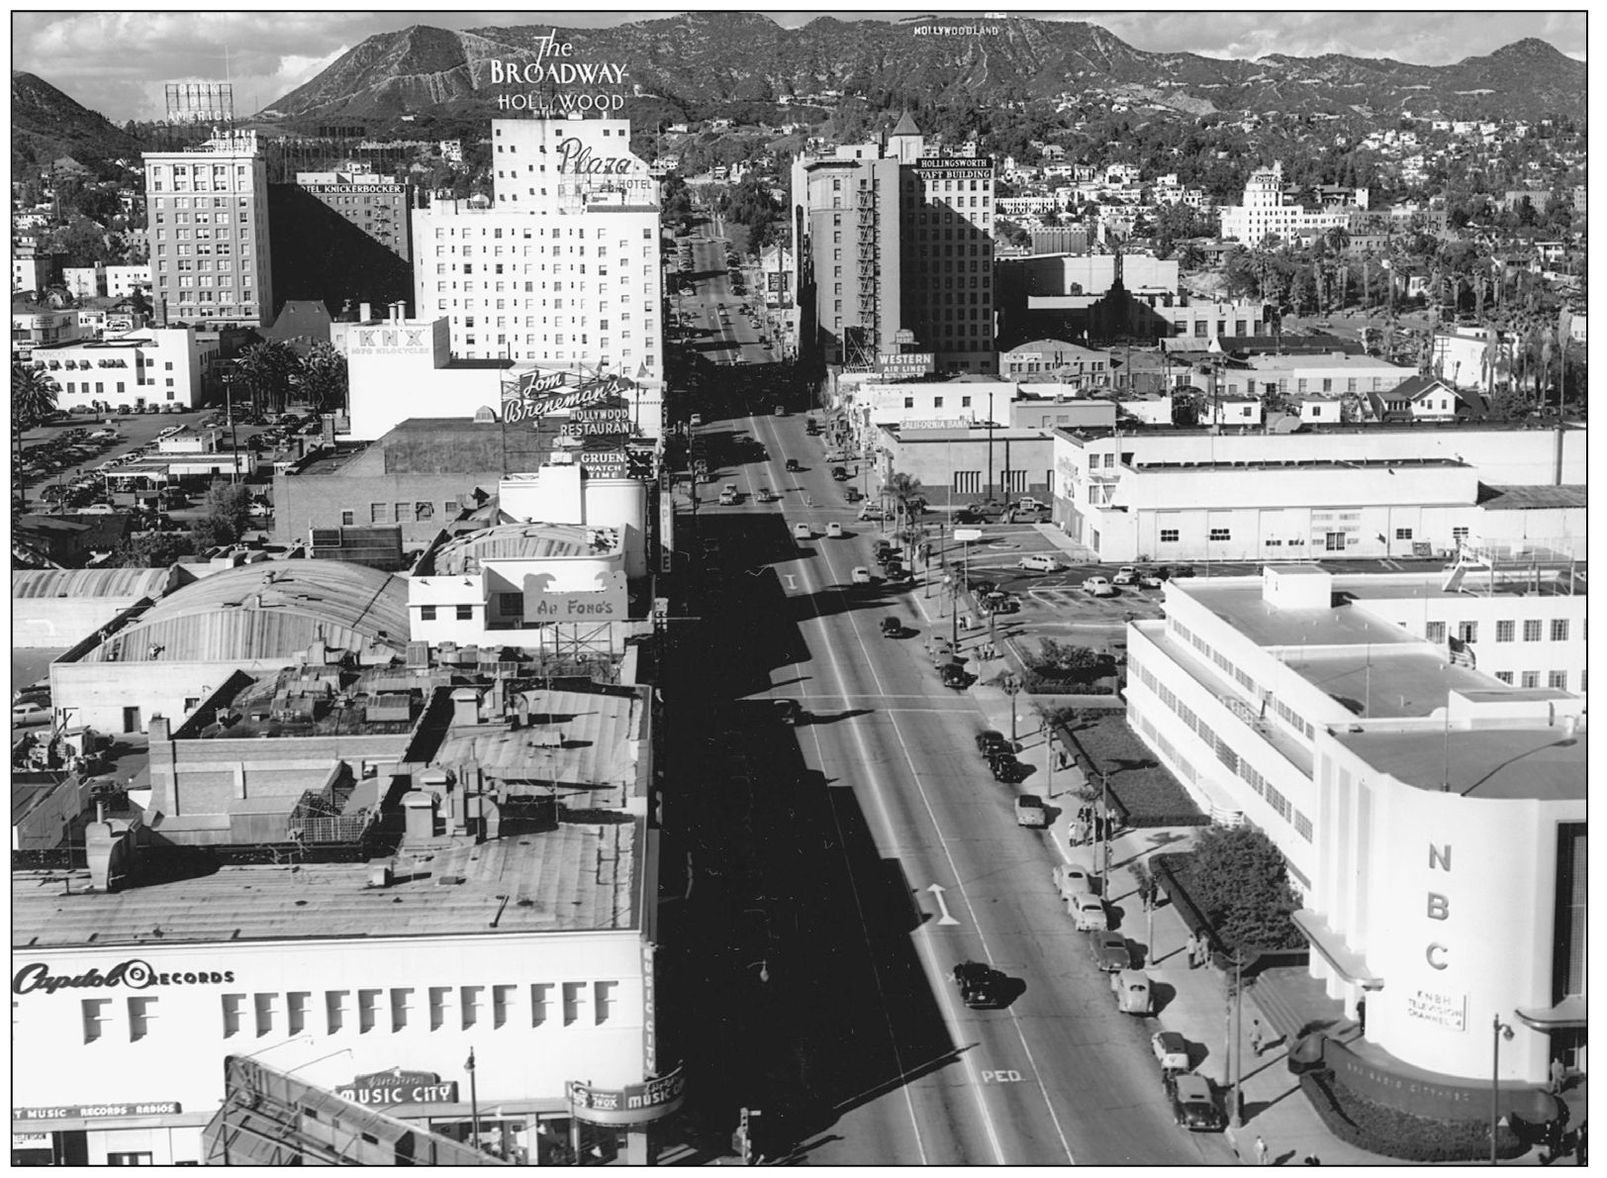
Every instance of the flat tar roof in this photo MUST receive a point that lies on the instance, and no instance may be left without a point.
(1385, 681)
(1484, 762)
(1240, 603)
(580, 877)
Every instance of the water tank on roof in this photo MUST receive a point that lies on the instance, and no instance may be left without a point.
(622, 504)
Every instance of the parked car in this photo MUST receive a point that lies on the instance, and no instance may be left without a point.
(1030, 811)
(26, 714)
(834, 530)
(1194, 1105)
(1126, 575)
(789, 711)
(1007, 769)
(802, 532)
(1183, 570)
(1171, 1051)
(892, 628)
(1088, 914)
(990, 742)
(1148, 580)
(839, 473)
(1132, 990)
(1073, 879)
(1110, 951)
(870, 512)
(695, 420)
(860, 576)
(980, 985)
(952, 675)
(1098, 587)
(852, 493)
(1039, 563)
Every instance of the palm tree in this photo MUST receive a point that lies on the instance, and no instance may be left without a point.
(266, 370)
(33, 399)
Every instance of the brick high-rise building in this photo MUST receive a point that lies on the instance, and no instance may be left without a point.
(371, 202)
(209, 233)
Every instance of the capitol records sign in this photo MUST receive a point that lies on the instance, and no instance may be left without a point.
(530, 396)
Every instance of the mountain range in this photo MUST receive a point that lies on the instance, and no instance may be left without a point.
(698, 61)
(46, 125)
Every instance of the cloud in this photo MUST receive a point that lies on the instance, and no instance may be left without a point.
(117, 62)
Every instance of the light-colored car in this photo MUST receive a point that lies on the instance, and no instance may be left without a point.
(802, 532)
(870, 512)
(1099, 587)
(860, 575)
(1171, 1051)
(695, 420)
(1088, 913)
(1131, 987)
(1073, 879)
(1030, 811)
(1126, 575)
(834, 531)
(25, 714)
(1039, 563)
(729, 495)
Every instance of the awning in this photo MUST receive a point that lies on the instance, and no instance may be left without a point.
(1569, 1014)
(1348, 963)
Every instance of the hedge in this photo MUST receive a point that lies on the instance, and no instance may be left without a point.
(1394, 1133)
(1148, 794)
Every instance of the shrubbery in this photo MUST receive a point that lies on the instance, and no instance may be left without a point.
(1395, 1133)
(1237, 879)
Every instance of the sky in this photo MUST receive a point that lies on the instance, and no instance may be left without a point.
(117, 62)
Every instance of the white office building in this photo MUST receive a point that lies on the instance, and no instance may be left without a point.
(153, 366)
(1267, 209)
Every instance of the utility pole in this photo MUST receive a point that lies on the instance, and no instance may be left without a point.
(987, 491)
(1236, 1118)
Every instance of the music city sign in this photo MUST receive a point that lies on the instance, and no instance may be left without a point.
(552, 68)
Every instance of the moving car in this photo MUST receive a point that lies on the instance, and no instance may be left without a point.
(834, 531)
(853, 494)
(1171, 1051)
(1098, 587)
(792, 464)
(765, 495)
(1183, 570)
(802, 532)
(1088, 913)
(781, 411)
(729, 495)
(1194, 1105)
(1030, 811)
(789, 711)
(998, 603)
(1148, 580)
(979, 985)
(991, 743)
(840, 473)
(871, 512)
(892, 628)
(1110, 952)
(860, 575)
(953, 675)
(1073, 879)
(1039, 563)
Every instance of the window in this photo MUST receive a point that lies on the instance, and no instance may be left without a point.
(1434, 632)
(1467, 631)
(233, 1008)
(404, 513)
(605, 1001)
(335, 1010)
(1504, 676)
(1504, 631)
(367, 1010)
(1531, 679)
(1403, 533)
(1531, 630)
(510, 605)
(262, 1006)
(1334, 541)
(1220, 534)
(465, 613)
(1169, 535)
(1559, 629)
(426, 613)
(1557, 679)
(539, 996)
(296, 1004)
(348, 518)
(377, 513)
(401, 1005)
(501, 1000)
(574, 997)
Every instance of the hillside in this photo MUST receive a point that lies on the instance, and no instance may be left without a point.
(699, 61)
(46, 125)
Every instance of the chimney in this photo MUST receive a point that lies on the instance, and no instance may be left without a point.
(465, 706)
(367, 312)
(109, 849)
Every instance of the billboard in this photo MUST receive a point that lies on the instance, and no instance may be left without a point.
(536, 393)
(634, 1104)
(906, 363)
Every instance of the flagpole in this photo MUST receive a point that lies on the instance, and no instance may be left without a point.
(474, 1106)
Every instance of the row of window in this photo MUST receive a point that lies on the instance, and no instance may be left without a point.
(1246, 682)
(394, 1009)
(1506, 630)
(1556, 679)
(72, 386)
(444, 232)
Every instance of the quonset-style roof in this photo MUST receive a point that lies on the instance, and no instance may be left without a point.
(131, 583)
(522, 542)
(268, 611)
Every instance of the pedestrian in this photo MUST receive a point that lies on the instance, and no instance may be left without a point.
(1262, 1154)
(1579, 1144)
(1313, 1160)
(1559, 1077)
(1257, 1037)
(1194, 950)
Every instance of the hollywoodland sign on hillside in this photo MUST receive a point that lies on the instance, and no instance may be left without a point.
(552, 69)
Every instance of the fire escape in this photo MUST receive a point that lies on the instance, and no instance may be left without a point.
(860, 343)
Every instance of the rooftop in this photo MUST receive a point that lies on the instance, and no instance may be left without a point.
(581, 876)
(536, 541)
(77, 583)
(1529, 498)
(1389, 681)
(1487, 762)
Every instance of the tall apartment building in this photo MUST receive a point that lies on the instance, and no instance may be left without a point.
(369, 201)
(895, 249)
(563, 269)
(209, 233)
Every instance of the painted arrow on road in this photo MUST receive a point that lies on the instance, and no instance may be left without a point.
(937, 893)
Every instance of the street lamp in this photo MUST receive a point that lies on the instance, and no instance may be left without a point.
(1498, 1031)
(1237, 1117)
(474, 1106)
(1011, 685)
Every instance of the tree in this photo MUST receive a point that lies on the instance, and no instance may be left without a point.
(1062, 660)
(323, 377)
(154, 550)
(904, 490)
(228, 514)
(266, 371)
(1238, 880)
(33, 396)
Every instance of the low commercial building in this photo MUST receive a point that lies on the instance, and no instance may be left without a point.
(382, 900)
(1381, 763)
(148, 366)
(54, 608)
(966, 465)
(1068, 362)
